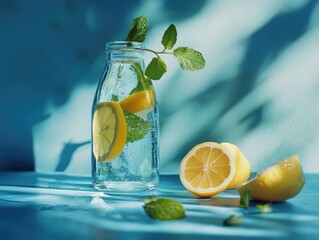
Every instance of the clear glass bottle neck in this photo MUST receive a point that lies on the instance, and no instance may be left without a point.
(124, 51)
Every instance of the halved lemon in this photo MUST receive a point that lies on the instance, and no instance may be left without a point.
(278, 183)
(207, 169)
(109, 131)
(139, 103)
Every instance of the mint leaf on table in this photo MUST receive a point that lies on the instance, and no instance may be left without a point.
(138, 30)
(189, 59)
(264, 208)
(244, 198)
(156, 68)
(164, 209)
(233, 220)
(137, 128)
(170, 37)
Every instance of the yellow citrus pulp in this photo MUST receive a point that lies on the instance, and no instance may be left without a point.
(277, 183)
(139, 103)
(207, 169)
(109, 131)
(243, 168)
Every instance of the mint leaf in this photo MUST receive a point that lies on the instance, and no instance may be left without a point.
(156, 68)
(189, 59)
(137, 128)
(244, 198)
(114, 98)
(138, 30)
(164, 209)
(233, 220)
(264, 208)
(144, 82)
(170, 37)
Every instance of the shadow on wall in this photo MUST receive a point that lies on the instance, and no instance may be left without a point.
(263, 47)
(47, 48)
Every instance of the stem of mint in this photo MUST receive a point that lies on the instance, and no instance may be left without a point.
(144, 83)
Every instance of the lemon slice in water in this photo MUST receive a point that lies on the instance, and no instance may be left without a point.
(109, 131)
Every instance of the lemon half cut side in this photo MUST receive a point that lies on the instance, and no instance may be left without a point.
(207, 169)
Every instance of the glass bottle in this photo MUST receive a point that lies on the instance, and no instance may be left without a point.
(125, 123)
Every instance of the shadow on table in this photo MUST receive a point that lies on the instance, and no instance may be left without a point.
(46, 180)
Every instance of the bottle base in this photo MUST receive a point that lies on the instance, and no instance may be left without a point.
(123, 187)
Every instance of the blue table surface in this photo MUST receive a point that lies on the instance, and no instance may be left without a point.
(59, 206)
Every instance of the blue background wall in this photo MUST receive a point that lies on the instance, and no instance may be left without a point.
(259, 90)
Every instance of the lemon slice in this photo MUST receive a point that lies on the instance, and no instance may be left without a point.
(243, 169)
(139, 103)
(207, 169)
(109, 131)
(277, 183)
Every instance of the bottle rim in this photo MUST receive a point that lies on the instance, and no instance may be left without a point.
(124, 45)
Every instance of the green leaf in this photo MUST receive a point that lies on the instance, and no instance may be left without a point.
(170, 37)
(189, 59)
(233, 220)
(144, 82)
(156, 68)
(265, 208)
(115, 98)
(164, 209)
(138, 30)
(137, 128)
(244, 198)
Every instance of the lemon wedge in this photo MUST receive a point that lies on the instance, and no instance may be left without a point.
(139, 103)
